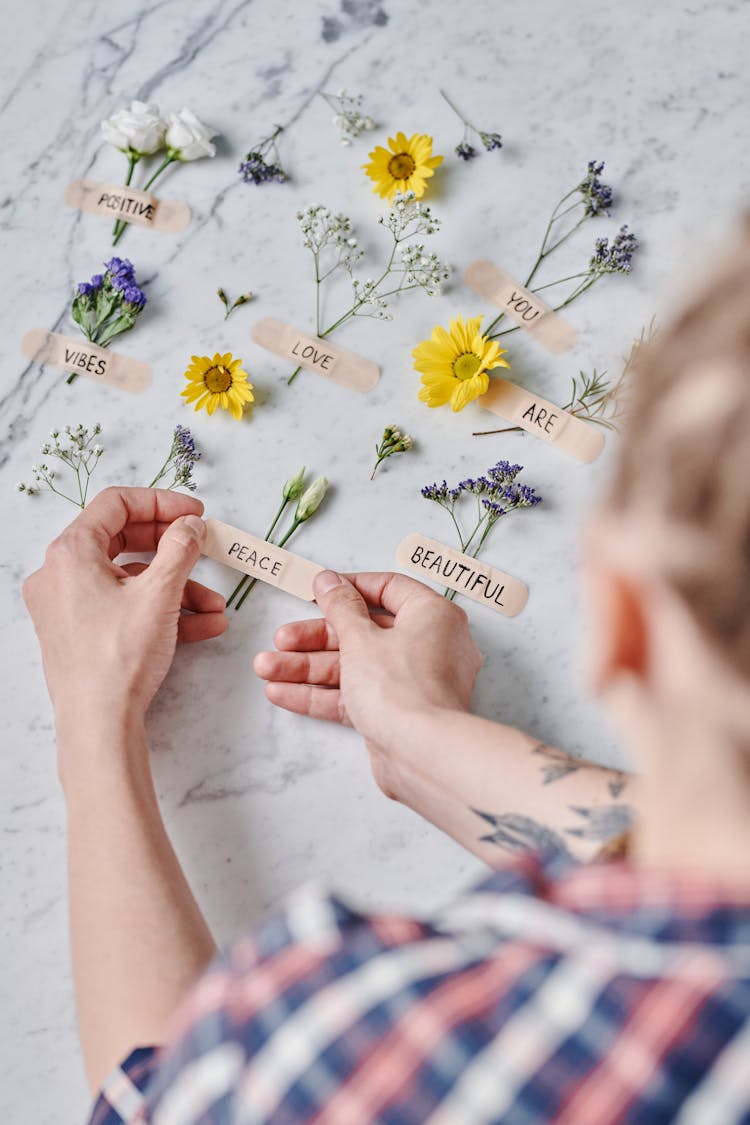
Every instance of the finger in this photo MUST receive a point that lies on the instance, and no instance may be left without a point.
(316, 635)
(389, 590)
(317, 702)
(195, 597)
(193, 627)
(114, 508)
(341, 605)
(136, 537)
(320, 668)
(176, 555)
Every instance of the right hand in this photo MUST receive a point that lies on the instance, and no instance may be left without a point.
(374, 670)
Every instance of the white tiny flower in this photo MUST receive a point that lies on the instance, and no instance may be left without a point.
(187, 138)
(138, 130)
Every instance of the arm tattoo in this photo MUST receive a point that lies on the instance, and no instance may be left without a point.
(616, 784)
(515, 832)
(601, 823)
(559, 764)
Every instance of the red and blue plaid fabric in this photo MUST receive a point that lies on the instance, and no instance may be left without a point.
(551, 992)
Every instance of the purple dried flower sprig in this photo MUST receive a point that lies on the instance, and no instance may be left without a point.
(109, 304)
(591, 198)
(262, 165)
(182, 459)
(465, 150)
(497, 493)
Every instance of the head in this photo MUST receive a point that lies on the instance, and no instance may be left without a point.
(668, 561)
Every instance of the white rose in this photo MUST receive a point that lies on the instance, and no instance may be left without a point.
(138, 130)
(188, 138)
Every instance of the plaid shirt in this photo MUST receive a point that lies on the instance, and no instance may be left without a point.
(551, 992)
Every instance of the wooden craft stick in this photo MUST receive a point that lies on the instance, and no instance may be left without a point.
(99, 364)
(543, 419)
(340, 365)
(275, 565)
(128, 204)
(433, 561)
(525, 308)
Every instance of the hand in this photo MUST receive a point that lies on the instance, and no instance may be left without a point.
(374, 670)
(108, 632)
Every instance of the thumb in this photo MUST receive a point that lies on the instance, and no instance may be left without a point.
(342, 606)
(176, 555)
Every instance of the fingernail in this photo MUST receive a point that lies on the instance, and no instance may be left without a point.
(325, 581)
(196, 525)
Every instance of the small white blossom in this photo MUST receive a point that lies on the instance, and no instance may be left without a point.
(348, 118)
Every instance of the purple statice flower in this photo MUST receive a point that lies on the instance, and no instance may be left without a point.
(495, 510)
(254, 169)
(490, 140)
(133, 295)
(597, 197)
(436, 491)
(614, 257)
(466, 151)
(88, 288)
(184, 456)
(121, 270)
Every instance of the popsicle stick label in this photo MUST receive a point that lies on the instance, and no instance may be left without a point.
(432, 560)
(341, 366)
(128, 204)
(543, 419)
(99, 364)
(274, 565)
(521, 306)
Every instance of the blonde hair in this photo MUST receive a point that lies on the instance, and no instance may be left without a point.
(685, 455)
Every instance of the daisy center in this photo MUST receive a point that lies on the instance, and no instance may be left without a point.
(466, 366)
(217, 379)
(401, 166)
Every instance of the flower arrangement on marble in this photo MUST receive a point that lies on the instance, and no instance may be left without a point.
(109, 304)
(392, 442)
(465, 149)
(591, 199)
(238, 301)
(596, 398)
(348, 116)
(262, 164)
(496, 493)
(330, 239)
(218, 382)
(140, 132)
(455, 363)
(76, 451)
(405, 166)
(308, 502)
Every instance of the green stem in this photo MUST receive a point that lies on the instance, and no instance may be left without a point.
(455, 109)
(267, 537)
(281, 543)
(132, 161)
(168, 159)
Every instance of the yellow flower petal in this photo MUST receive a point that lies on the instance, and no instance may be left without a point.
(464, 392)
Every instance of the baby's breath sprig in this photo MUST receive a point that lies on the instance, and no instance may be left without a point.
(595, 398)
(465, 149)
(78, 452)
(262, 165)
(591, 199)
(393, 441)
(241, 300)
(308, 501)
(330, 238)
(497, 493)
(348, 119)
(181, 461)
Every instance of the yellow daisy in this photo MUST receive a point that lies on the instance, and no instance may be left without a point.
(454, 364)
(405, 165)
(218, 382)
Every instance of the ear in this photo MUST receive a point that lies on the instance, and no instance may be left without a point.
(617, 626)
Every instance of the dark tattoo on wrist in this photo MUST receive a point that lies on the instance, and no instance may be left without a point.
(515, 832)
(559, 764)
(616, 784)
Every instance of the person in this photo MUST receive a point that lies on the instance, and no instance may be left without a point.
(569, 986)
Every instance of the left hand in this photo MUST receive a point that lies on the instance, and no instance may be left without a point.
(108, 632)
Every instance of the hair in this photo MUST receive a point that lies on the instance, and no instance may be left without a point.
(685, 455)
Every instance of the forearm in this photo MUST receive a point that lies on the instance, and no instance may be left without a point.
(138, 938)
(498, 791)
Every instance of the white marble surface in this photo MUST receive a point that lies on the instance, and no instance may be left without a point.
(258, 801)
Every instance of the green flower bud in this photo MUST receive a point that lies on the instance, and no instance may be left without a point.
(293, 487)
(310, 501)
